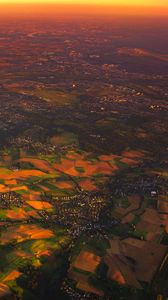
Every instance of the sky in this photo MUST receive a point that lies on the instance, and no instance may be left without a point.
(117, 7)
(92, 2)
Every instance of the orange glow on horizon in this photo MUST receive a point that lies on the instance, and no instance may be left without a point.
(77, 7)
(152, 3)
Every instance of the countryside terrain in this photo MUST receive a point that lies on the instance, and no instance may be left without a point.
(83, 159)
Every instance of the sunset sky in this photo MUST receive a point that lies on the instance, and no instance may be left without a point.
(45, 7)
(102, 2)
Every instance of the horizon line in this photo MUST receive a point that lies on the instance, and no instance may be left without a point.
(89, 9)
(82, 4)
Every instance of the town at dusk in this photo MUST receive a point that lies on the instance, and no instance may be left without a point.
(83, 150)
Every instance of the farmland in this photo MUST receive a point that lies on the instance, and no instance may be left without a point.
(83, 159)
(32, 188)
